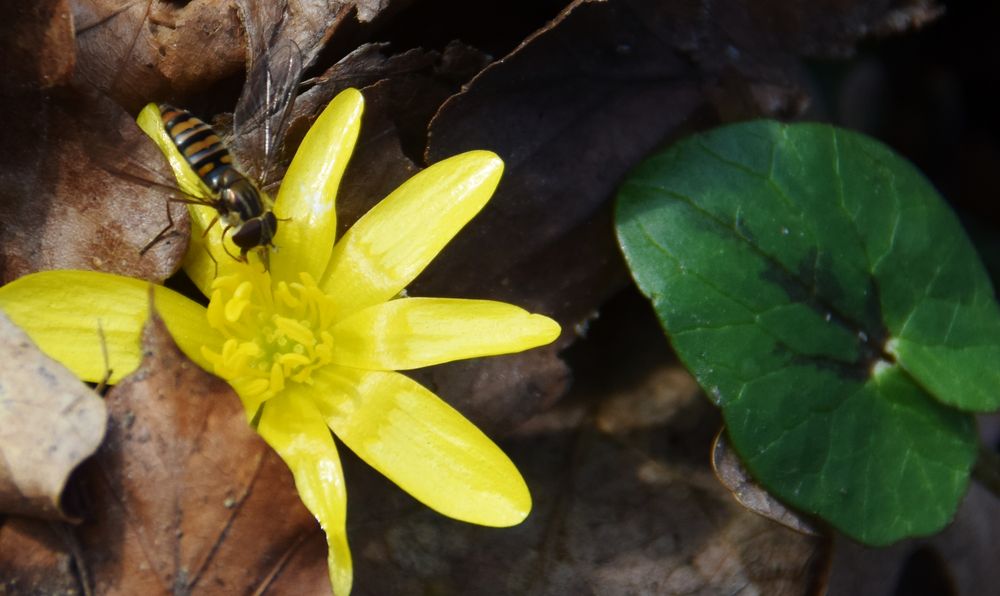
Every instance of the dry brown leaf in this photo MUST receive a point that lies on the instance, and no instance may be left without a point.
(307, 23)
(37, 49)
(184, 495)
(137, 51)
(60, 207)
(402, 90)
(36, 557)
(49, 423)
(827, 29)
(63, 202)
(569, 111)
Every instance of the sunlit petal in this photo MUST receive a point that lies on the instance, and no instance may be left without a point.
(305, 203)
(205, 258)
(423, 445)
(391, 244)
(62, 311)
(292, 425)
(416, 332)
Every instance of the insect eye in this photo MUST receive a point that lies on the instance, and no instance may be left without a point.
(270, 221)
(249, 235)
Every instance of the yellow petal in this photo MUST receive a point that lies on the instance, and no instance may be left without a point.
(305, 203)
(392, 243)
(415, 332)
(61, 311)
(293, 426)
(423, 445)
(205, 257)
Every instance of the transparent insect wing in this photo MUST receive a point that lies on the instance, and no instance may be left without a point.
(261, 20)
(262, 114)
(121, 161)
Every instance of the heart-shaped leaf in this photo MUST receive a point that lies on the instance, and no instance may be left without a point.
(827, 299)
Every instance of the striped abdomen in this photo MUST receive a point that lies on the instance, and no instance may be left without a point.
(240, 205)
(200, 146)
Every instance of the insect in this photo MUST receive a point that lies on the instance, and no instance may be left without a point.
(240, 205)
(239, 196)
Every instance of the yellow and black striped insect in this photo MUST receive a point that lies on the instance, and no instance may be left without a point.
(241, 206)
(238, 196)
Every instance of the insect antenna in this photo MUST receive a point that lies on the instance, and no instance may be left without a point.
(162, 233)
(145, 180)
(170, 220)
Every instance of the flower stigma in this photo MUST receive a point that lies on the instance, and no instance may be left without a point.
(274, 333)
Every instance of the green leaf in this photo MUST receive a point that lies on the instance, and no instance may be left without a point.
(827, 299)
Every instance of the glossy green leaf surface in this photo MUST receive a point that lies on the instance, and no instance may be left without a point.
(830, 303)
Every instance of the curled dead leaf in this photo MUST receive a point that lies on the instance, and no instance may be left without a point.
(49, 423)
(731, 473)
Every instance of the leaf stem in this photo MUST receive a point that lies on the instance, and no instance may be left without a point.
(986, 471)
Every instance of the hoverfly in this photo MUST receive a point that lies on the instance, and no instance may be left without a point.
(239, 204)
(239, 197)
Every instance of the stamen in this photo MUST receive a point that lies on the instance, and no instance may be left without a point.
(256, 387)
(294, 330)
(285, 295)
(274, 334)
(292, 360)
(277, 378)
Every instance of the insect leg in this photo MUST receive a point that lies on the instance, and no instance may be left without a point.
(162, 233)
(234, 257)
(214, 262)
(209, 227)
(170, 220)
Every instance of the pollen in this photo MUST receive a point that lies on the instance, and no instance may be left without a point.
(276, 334)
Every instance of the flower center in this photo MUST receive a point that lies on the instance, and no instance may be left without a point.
(274, 333)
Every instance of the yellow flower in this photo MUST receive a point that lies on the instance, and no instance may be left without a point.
(313, 344)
